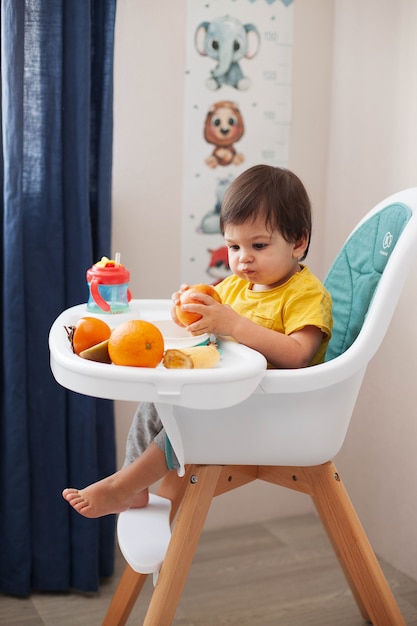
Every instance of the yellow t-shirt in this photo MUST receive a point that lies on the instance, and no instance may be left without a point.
(299, 302)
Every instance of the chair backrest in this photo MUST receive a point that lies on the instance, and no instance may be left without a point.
(357, 270)
(360, 305)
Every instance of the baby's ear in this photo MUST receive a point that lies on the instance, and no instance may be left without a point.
(301, 247)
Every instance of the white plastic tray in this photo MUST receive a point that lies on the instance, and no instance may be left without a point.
(233, 380)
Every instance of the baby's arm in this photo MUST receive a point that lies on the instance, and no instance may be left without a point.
(283, 351)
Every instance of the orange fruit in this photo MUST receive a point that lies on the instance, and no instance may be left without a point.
(186, 317)
(87, 332)
(137, 343)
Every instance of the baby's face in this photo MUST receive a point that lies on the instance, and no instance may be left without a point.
(261, 256)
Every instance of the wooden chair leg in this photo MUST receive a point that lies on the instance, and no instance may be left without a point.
(185, 537)
(356, 556)
(131, 582)
(124, 598)
(369, 586)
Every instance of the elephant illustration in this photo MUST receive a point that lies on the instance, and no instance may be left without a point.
(227, 40)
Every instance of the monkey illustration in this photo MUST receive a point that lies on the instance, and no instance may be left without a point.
(223, 127)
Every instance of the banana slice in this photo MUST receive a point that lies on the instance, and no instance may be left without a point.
(197, 357)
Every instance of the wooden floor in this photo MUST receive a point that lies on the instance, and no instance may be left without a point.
(281, 572)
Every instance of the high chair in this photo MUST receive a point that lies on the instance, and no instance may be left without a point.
(286, 432)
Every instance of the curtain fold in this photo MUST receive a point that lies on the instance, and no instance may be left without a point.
(56, 109)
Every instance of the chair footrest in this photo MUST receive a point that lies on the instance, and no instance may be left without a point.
(144, 534)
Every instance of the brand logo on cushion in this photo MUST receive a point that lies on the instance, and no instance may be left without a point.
(386, 243)
(387, 240)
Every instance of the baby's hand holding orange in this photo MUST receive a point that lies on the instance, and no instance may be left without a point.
(185, 317)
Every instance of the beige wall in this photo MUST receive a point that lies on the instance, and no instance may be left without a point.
(353, 142)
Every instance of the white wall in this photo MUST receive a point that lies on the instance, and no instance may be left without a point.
(353, 142)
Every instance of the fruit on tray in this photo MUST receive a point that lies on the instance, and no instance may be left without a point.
(87, 332)
(197, 357)
(99, 353)
(187, 317)
(137, 343)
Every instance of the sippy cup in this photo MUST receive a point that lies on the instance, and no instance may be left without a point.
(108, 283)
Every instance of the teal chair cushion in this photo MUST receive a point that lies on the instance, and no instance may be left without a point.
(355, 273)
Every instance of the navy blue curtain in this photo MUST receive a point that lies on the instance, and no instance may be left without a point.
(56, 110)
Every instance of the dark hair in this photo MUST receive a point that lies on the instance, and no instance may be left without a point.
(274, 192)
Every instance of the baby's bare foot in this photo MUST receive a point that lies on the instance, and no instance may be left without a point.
(104, 498)
(140, 500)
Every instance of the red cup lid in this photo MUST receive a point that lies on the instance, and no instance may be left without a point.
(108, 275)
